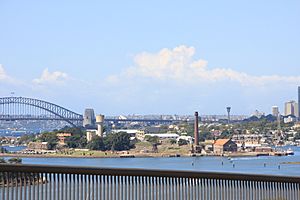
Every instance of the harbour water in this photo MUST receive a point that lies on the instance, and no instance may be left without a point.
(249, 165)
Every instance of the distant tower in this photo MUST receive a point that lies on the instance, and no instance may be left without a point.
(278, 122)
(196, 129)
(89, 118)
(228, 114)
(99, 122)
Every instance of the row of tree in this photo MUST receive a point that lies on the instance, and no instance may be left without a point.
(116, 141)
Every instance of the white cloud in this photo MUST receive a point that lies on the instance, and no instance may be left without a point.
(178, 64)
(51, 77)
(3, 74)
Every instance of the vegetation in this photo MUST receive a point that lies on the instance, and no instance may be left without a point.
(118, 141)
(96, 144)
(49, 137)
(152, 139)
(182, 142)
(173, 141)
(26, 139)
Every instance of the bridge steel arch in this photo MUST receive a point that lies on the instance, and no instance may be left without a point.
(58, 112)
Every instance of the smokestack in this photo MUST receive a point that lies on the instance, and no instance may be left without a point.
(196, 129)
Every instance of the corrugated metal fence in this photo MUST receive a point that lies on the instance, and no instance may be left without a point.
(41, 182)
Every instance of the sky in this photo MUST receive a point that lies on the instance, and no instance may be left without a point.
(152, 57)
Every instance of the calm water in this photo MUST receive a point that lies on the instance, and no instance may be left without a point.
(252, 165)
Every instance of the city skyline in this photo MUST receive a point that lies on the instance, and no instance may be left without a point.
(152, 58)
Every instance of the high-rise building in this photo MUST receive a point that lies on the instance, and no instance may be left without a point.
(298, 101)
(291, 108)
(89, 118)
(275, 111)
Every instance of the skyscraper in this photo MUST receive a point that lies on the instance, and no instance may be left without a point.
(291, 108)
(275, 111)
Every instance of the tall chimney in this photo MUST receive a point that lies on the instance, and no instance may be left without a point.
(196, 129)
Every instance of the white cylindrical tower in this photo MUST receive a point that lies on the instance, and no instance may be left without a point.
(100, 122)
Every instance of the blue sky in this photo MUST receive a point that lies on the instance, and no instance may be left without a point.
(169, 57)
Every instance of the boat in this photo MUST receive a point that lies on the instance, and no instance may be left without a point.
(289, 151)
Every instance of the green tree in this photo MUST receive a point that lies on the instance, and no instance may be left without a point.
(96, 143)
(182, 142)
(76, 141)
(49, 137)
(173, 141)
(25, 139)
(118, 141)
(152, 139)
(78, 138)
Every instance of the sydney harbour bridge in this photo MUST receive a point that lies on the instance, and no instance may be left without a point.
(22, 108)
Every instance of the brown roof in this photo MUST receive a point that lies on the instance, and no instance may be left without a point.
(221, 141)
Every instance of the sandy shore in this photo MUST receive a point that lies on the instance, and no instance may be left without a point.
(130, 155)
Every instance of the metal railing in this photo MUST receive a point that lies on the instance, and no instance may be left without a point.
(39, 182)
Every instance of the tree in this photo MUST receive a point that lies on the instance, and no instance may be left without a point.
(96, 143)
(49, 137)
(118, 141)
(182, 142)
(78, 138)
(173, 141)
(152, 139)
(25, 139)
(76, 141)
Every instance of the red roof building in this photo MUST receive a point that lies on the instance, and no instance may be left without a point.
(224, 145)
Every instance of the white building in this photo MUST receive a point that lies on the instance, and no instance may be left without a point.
(185, 137)
(289, 119)
(136, 133)
(90, 133)
(248, 140)
(163, 136)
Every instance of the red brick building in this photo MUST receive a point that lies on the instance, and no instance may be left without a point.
(224, 145)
